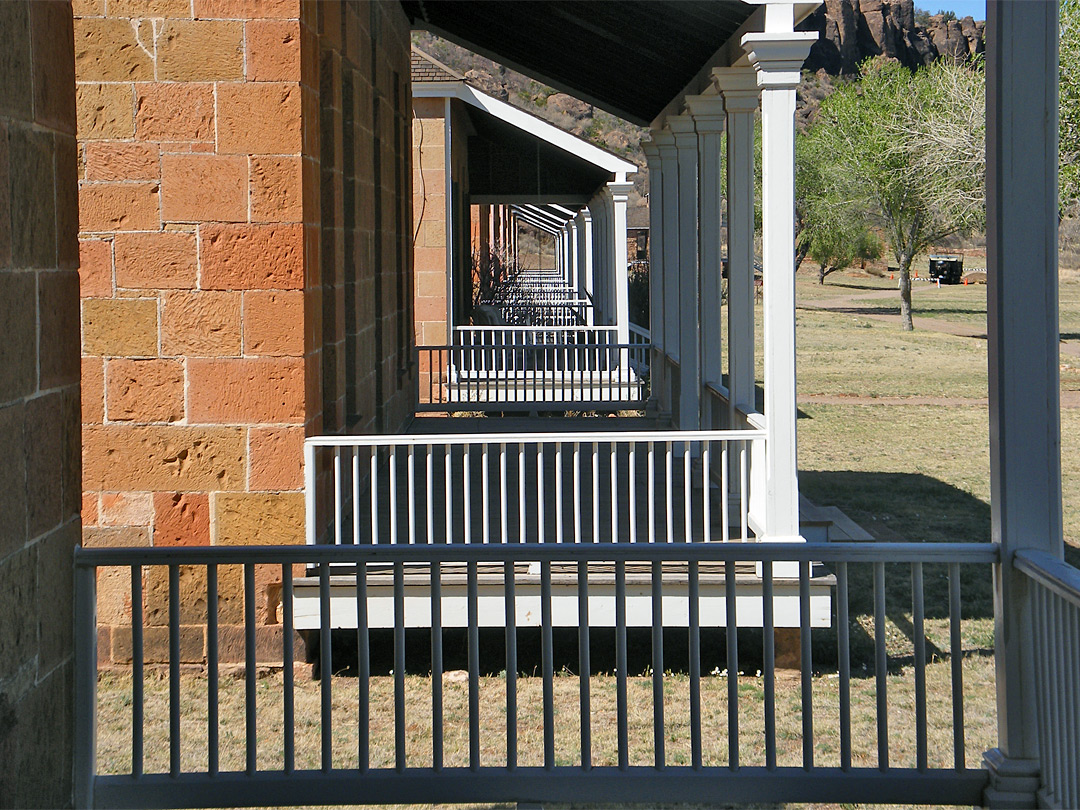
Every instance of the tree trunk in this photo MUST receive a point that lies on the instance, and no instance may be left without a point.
(905, 294)
(821, 274)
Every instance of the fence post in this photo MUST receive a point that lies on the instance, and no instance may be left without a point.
(1022, 327)
(85, 620)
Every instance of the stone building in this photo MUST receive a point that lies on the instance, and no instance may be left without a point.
(244, 238)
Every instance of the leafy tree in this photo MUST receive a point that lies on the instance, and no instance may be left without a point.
(904, 153)
(1069, 105)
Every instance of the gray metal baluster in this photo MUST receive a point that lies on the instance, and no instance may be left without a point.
(174, 671)
(213, 750)
(658, 657)
(287, 674)
(693, 593)
(585, 707)
(325, 667)
(622, 707)
(547, 664)
(956, 655)
(731, 637)
(843, 641)
(806, 666)
(474, 667)
(918, 615)
(436, 667)
(138, 655)
(399, 666)
(250, 715)
(510, 591)
(768, 639)
(363, 666)
(881, 666)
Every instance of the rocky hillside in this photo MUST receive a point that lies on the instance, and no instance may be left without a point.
(854, 30)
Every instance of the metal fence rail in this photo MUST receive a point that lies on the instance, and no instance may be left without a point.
(643, 487)
(1056, 641)
(412, 738)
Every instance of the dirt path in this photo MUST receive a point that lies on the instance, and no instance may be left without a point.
(849, 304)
(1069, 399)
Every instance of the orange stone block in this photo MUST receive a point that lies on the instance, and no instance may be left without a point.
(164, 458)
(201, 324)
(252, 257)
(150, 8)
(107, 160)
(126, 509)
(277, 458)
(89, 511)
(182, 111)
(247, 9)
(273, 50)
(259, 118)
(200, 51)
(277, 189)
(118, 207)
(110, 50)
(156, 260)
(95, 268)
(274, 323)
(145, 391)
(204, 188)
(245, 391)
(181, 519)
(93, 390)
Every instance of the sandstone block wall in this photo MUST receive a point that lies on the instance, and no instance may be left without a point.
(39, 401)
(237, 161)
(430, 229)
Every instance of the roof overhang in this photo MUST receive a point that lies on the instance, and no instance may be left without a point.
(634, 58)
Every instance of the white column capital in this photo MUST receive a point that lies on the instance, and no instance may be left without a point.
(651, 150)
(708, 113)
(778, 58)
(619, 191)
(683, 131)
(738, 87)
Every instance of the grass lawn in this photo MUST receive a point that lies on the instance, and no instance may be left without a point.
(903, 471)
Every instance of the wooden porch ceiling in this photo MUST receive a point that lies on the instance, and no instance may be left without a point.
(630, 57)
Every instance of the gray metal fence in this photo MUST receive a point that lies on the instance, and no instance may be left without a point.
(196, 740)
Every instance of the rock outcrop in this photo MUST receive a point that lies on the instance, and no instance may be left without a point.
(854, 30)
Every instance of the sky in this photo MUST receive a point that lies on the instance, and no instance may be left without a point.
(963, 8)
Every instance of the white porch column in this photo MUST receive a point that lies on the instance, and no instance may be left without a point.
(619, 193)
(656, 253)
(778, 58)
(686, 144)
(708, 115)
(600, 273)
(587, 281)
(1022, 325)
(572, 252)
(581, 252)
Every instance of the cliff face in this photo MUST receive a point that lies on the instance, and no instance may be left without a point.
(854, 30)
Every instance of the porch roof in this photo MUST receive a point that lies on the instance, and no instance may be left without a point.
(631, 58)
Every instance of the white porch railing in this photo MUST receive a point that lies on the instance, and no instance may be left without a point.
(529, 368)
(656, 738)
(641, 345)
(1056, 647)
(647, 487)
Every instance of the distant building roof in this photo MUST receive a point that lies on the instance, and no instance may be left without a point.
(426, 68)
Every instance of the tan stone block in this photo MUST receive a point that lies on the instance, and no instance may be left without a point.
(258, 518)
(431, 284)
(120, 327)
(429, 258)
(201, 324)
(166, 458)
(150, 8)
(199, 51)
(116, 537)
(109, 50)
(269, 644)
(95, 268)
(273, 50)
(88, 8)
(259, 118)
(277, 189)
(252, 257)
(274, 323)
(93, 390)
(245, 391)
(105, 207)
(104, 111)
(145, 391)
(181, 519)
(174, 112)
(247, 9)
(192, 582)
(277, 458)
(114, 596)
(89, 511)
(204, 188)
(126, 509)
(121, 161)
(156, 260)
(156, 645)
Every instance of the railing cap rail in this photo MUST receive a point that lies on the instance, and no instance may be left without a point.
(563, 552)
(604, 437)
(1050, 572)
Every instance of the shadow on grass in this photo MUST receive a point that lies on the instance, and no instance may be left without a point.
(895, 310)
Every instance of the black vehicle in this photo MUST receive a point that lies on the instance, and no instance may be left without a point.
(947, 269)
